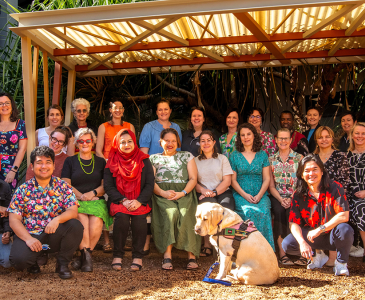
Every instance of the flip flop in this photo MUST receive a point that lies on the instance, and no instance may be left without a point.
(139, 267)
(165, 262)
(192, 261)
(117, 266)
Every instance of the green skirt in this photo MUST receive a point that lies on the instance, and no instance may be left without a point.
(173, 221)
(97, 208)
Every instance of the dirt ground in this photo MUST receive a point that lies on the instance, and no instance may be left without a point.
(153, 283)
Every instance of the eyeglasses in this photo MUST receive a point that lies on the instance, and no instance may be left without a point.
(54, 140)
(5, 104)
(118, 108)
(83, 111)
(88, 141)
(255, 117)
(283, 139)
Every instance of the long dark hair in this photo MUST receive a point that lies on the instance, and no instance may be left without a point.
(229, 110)
(202, 154)
(302, 186)
(257, 144)
(190, 126)
(14, 110)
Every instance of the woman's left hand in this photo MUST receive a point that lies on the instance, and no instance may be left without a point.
(360, 194)
(178, 195)
(133, 205)
(87, 196)
(257, 198)
(10, 177)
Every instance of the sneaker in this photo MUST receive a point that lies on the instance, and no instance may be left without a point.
(341, 269)
(318, 261)
(357, 251)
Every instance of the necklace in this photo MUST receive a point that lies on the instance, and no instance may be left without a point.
(6, 128)
(324, 158)
(84, 165)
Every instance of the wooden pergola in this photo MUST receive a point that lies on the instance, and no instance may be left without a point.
(184, 35)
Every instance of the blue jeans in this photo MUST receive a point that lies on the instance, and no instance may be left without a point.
(4, 254)
(338, 239)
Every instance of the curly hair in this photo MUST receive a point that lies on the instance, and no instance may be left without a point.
(202, 154)
(65, 131)
(259, 110)
(14, 110)
(82, 131)
(317, 135)
(173, 131)
(80, 101)
(41, 151)
(257, 144)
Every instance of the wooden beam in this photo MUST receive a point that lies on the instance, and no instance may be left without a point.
(35, 77)
(205, 28)
(46, 86)
(71, 80)
(28, 94)
(316, 28)
(57, 80)
(336, 46)
(356, 23)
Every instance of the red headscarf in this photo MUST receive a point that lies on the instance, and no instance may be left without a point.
(126, 167)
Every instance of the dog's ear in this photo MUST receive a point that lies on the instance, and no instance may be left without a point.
(217, 215)
(230, 218)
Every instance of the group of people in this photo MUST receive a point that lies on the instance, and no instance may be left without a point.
(81, 181)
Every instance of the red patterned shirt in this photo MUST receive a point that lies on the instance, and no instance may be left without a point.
(307, 211)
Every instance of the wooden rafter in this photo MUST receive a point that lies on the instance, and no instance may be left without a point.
(206, 27)
(156, 57)
(232, 50)
(321, 46)
(110, 29)
(177, 54)
(202, 26)
(94, 35)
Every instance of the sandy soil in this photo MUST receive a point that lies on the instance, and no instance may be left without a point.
(154, 283)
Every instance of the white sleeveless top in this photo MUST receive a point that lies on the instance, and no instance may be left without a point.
(43, 137)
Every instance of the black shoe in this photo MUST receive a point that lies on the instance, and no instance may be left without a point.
(87, 261)
(35, 269)
(76, 263)
(63, 271)
(43, 259)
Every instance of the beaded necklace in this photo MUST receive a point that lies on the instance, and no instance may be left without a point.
(84, 165)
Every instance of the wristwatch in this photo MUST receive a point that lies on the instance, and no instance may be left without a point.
(215, 192)
(95, 192)
(15, 168)
(184, 192)
(323, 228)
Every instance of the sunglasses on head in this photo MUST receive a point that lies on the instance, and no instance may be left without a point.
(88, 141)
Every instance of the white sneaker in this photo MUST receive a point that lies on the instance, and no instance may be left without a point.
(340, 269)
(318, 261)
(357, 251)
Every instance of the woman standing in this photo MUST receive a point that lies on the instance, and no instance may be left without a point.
(149, 141)
(256, 118)
(13, 140)
(250, 180)
(214, 179)
(348, 120)
(108, 130)
(129, 183)
(313, 117)
(174, 201)
(190, 137)
(283, 179)
(227, 141)
(81, 110)
(85, 173)
(356, 193)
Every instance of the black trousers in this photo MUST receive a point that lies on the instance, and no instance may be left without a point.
(138, 225)
(225, 199)
(65, 241)
(281, 218)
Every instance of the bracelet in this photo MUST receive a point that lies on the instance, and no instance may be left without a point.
(184, 192)
(13, 171)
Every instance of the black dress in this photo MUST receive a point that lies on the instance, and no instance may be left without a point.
(311, 142)
(344, 143)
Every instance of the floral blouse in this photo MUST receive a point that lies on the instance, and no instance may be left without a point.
(227, 147)
(39, 206)
(268, 143)
(172, 169)
(338, 168)
(357, 172)
(285, 173)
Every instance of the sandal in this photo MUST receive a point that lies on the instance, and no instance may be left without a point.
(204, 252)
(302, 261)
(191, 262)
(107, 248)
(146, 252)
(117, 266)
(168, 262)
(139, 267)
(284, 260)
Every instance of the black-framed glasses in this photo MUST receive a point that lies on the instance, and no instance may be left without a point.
(255, 117)
(81, 111)
(286, 139)
(5, 104)
(54, 140)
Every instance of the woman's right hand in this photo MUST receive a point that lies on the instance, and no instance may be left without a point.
(250, 198)
(305, 250)
(168, 194)
(87, 196)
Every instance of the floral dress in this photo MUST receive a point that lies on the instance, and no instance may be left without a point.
(268, 143)
(249, 177)
(9, 147)
(227, 147)
(173, 221)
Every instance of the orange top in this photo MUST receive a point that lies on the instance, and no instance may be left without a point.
(110, 133)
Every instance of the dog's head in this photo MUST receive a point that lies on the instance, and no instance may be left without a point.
(208, 215)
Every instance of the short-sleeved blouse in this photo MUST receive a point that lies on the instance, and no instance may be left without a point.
(172, 169)
(285, 173)
(357, 172)
(227, 147)
(268, 143)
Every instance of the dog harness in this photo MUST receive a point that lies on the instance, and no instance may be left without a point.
(237, 233)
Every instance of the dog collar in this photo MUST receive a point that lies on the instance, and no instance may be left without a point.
(220, 221)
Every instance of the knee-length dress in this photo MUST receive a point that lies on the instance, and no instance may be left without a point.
(173, 221)
(249, 177)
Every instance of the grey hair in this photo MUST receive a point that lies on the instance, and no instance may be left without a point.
(80, 101)
(82, 131)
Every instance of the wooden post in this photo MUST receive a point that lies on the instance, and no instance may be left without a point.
(35, 77)
(46, 85)
(29, 115)
(57, 83)
(70, 95)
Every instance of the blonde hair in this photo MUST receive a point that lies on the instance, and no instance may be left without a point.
(283, 130)
(82, 131)
(352, 144)
(317, 135)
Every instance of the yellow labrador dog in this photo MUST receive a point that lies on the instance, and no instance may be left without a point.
(256, 261)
